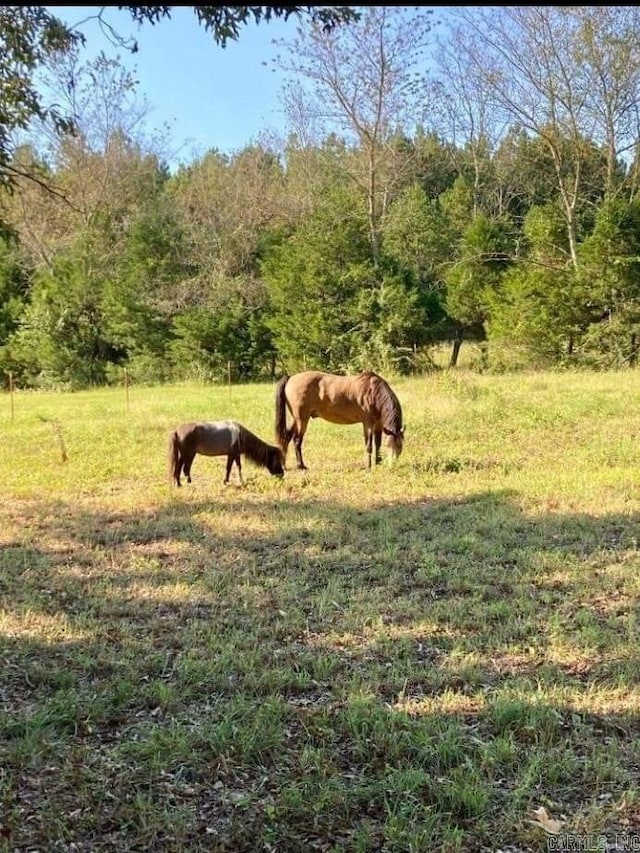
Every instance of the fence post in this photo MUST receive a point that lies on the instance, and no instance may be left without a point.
(126, 387)
(11, 395)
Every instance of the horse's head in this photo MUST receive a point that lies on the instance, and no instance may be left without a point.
(394, 441)
(275, 462)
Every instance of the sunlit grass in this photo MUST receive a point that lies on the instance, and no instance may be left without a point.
(408, 658)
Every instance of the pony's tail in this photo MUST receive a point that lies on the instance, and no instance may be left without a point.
(175, 459)
(282, 434)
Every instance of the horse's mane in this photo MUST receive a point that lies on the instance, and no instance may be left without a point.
(384, 400)
(254, 448)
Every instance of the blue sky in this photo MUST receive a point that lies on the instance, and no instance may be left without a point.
(211, 97)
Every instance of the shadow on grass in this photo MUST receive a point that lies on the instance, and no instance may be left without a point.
(306, 672)
(471, 592)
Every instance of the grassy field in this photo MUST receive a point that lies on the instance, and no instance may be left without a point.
(442, 655)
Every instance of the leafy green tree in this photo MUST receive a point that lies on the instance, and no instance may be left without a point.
(486, 252)
(392, 321)
(14, 297)
(225, 204)
(610, 278)
(331, 307)
(417, 236)
(458, 205)
(30, 36)
(568, 75)
(434, 164)
(63, 338)
(208, 342)
(103, 173)
(363, 84)
(524, 172)
(225, 22)
(229, 207)
(537, 312)
(201, 343)
(14, 285)
(531, 323)
(143, 290)
(314, 280)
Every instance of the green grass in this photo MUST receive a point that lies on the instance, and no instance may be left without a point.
(405, 659)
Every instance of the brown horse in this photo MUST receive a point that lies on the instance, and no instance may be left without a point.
(220, 438)
(365, 398)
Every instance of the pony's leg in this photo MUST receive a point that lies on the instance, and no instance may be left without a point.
(368, 442)
(377, 438)
(230, 459)
(284, 445)
(239, 467)
(299, 429)
(187, 462)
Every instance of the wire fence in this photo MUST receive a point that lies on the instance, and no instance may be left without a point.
(12, 388)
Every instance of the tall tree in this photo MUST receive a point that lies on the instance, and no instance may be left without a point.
(568, 75)
(608, 53)
(14, 282)
(538, 311)
(31, 35)
(611, 277)
(474, 279)
(418, 236)
(463, 106)
(63, 339)
(362, 83)
(102, 171)
(314, 279)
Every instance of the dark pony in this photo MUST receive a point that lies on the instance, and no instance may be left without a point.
(220, 438)
(365, 398)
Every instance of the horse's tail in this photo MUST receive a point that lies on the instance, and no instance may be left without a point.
(175, 458)
(282, 434)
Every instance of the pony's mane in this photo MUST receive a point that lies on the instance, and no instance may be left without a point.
(385, 400)
(254, 448)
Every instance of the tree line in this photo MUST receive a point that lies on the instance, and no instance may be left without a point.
(470, 179)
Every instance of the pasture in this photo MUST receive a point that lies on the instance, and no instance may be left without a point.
(442, 655)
